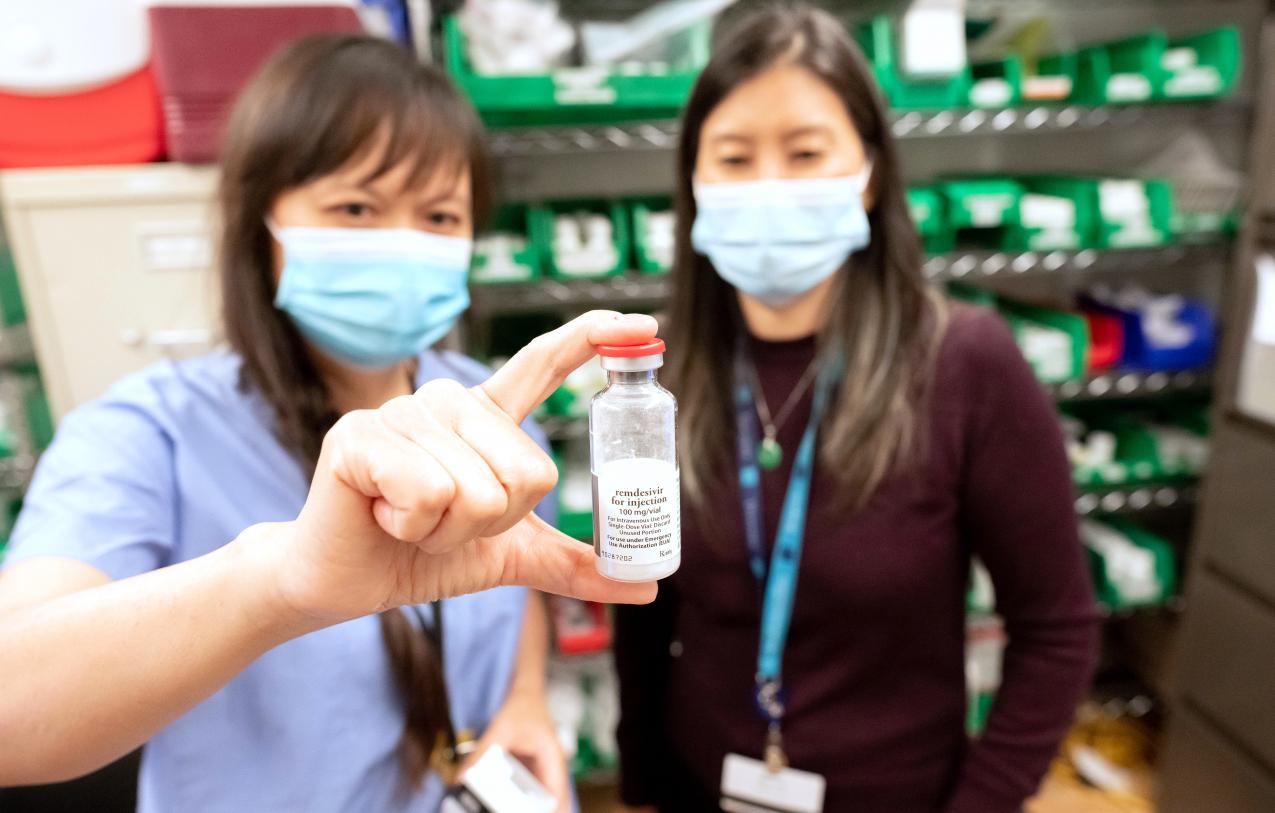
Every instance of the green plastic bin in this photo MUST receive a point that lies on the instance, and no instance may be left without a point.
(1164, 566)
(978, 709)
(1052, 79)
(981, 210)
(1202, 66)
(1024, 318)
(12, 309)
(588, 95)
(1126, 221)
(511, 225)
(653, 257)
(574, 519)
(1136, 449)
(1055, 214)
(974, 295)
(1128, 71)
(998, 83)
(544, 219)
(878, 41)
(38, 414)
(928, 210)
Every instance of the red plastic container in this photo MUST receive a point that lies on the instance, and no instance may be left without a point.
(203, 55)
(116, 123)
(1106, 340)
(580, 627)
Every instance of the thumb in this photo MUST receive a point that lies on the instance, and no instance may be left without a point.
(548, 560)
(538, 369)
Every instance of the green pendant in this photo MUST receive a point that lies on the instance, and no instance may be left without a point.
(769, 454)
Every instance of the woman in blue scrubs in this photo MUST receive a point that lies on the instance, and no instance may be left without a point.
(205, 550)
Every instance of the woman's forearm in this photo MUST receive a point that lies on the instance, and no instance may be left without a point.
(533, 649)
(90, 676)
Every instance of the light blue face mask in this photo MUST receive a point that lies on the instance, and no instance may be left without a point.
(372, 297)
(777, 239)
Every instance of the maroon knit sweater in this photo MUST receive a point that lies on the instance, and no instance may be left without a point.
(874, 666)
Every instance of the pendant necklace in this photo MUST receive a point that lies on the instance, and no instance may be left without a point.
(769, 453)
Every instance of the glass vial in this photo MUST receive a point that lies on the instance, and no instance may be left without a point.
(637, 515)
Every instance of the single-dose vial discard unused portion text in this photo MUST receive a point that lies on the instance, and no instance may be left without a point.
(637, 517)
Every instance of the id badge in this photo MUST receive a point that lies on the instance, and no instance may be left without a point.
(748, 786)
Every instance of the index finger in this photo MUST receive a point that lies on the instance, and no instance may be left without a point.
(532, 375)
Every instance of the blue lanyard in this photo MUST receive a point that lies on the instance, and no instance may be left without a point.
(778, 581)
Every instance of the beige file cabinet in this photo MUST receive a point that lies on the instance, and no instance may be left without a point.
(115, 265)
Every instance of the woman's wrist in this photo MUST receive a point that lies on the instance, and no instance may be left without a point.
(261, 575)
(528, 690)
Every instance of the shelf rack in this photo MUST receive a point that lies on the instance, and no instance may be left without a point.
(1134, 498)
(663, 135)
(1174, 605)
(16, 471)
(1116, 384)
(15, 346)
(640, 289)
(967, 265)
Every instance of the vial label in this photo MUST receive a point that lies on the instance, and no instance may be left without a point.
(639, 518)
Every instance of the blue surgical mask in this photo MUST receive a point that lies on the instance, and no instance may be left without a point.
(372, 297)
(777, 239)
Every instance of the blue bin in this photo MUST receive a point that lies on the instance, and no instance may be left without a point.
(1141, 355)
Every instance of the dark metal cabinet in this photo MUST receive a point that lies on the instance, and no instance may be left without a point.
(1220, 755)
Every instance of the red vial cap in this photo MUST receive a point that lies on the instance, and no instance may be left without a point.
(631, 351)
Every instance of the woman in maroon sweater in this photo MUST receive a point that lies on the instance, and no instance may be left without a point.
(796, 316)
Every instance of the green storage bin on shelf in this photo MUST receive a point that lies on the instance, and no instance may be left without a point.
(576, 524)
(1156, 584)
(8, 442)
(879, 43)
(998, 83)
(972, 294)
(1055, 214)
(558, 404)
(39, 415)
(981, 210)
(977, 711)
(653, 234)
(1137, 453)
(1197, 418)
(1133, 213)
(586, 95)
(1128, 71)
(1051, 79)
(1055, 343)
(1136, 447)
(575, 490)
(12, 309)
(928, 210)
(570, 246)
(508, 251)
(1202, 66)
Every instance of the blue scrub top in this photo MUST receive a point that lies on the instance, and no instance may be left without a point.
(175, 462)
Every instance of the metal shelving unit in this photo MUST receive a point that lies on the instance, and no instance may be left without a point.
(969, 265)
(15, 346)
(16, 471)
(1109, 386)
(1134, 498)
(1117, 384)
(633, 289)
(1173, 606)
(663, 135)
(639, 289)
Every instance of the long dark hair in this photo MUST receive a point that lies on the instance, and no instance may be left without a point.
(884, 321)
(318, 104)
